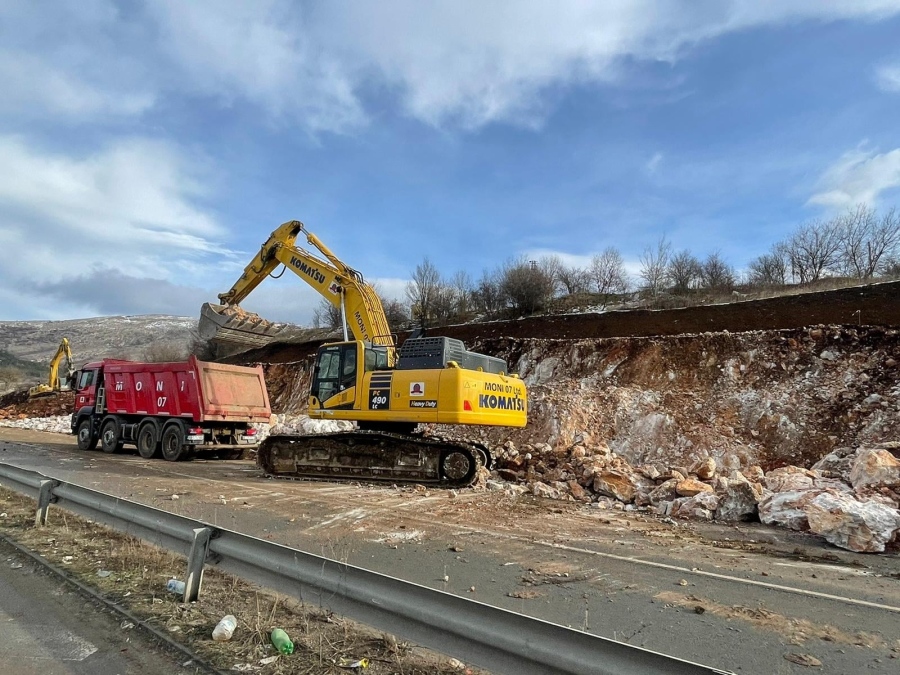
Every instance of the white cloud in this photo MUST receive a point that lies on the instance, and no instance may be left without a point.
(314, 65)
(858, 177)
(264, 52)
(888, 78)
(129, 213)
(470, 64)
(654, 162)
(33, 86)
(75, 61)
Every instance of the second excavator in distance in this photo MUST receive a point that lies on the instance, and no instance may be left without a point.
(55, 383)
(387, 391)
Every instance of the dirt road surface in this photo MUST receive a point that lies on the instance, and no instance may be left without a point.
(747, 598)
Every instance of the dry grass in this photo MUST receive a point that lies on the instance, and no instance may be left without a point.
(136, 579)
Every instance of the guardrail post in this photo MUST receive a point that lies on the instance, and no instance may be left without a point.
(45, 498)
(196, 561)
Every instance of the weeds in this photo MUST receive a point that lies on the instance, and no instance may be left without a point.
(137, 578)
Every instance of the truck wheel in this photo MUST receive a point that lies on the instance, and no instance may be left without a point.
(173, 443)
(109, 436)
(86, 439)
(148, 440)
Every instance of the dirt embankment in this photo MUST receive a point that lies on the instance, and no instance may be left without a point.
(770, 398)
(873, 305)
(758, 382)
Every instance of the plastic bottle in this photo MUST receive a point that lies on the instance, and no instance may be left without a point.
(282, 642)
(224, 629)
(175, 586)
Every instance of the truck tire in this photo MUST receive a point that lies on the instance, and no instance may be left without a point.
(85, 436)
(173, 443)
(148, 439)
(110, 436)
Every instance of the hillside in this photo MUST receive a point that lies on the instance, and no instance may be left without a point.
(30, 369)
(125, 337)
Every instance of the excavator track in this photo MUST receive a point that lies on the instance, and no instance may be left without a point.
(373, 456)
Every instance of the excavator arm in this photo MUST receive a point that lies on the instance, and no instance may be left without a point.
(53, 383)
(340, 284)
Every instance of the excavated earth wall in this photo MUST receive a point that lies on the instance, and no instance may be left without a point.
(767, 398)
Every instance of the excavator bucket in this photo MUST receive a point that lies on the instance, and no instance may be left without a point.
(232, 325)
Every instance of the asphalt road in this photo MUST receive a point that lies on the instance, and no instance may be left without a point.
(49, 628)
(747, 599)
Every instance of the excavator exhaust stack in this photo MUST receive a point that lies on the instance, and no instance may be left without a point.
(229, 324)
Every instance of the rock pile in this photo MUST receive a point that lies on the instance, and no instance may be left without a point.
(851, 497)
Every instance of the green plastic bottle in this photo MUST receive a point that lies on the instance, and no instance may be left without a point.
(282, 642)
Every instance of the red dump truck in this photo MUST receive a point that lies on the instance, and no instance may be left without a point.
(172, 409)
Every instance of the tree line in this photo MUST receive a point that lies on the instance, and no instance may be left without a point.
(859, 244)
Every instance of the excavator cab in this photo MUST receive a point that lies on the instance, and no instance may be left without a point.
(337, 372)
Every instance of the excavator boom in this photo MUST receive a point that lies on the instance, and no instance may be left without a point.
(337, 282)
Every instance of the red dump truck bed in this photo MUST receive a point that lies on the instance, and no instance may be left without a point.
(199, 390)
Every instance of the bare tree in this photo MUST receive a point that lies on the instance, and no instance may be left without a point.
(462, 286)
(574, 279)
(443, 306)
(552, 266)
(683, 272)
(716, 274)
(395, 312)
(526, 286)
(769, 269)
(866, 239)
(488, 294)
(814, 250)
(654, 263)
(890, 267)
(422, 292)
(327, 315)
(608, 272)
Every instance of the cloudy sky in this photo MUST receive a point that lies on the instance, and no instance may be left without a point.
(147, 149)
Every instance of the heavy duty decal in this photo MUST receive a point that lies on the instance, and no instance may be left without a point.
(423, 404)
(311, 272)
(380, 391)
(416, 388)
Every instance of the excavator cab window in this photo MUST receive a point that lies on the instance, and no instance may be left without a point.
(376, 359)
(348, 367)
(335, 371)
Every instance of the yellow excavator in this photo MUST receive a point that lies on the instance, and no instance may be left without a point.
(386, 390)
(54, 384)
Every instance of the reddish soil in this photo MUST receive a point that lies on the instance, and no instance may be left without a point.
(872, 305)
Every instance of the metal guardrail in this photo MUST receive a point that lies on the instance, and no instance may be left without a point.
(496, 639)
